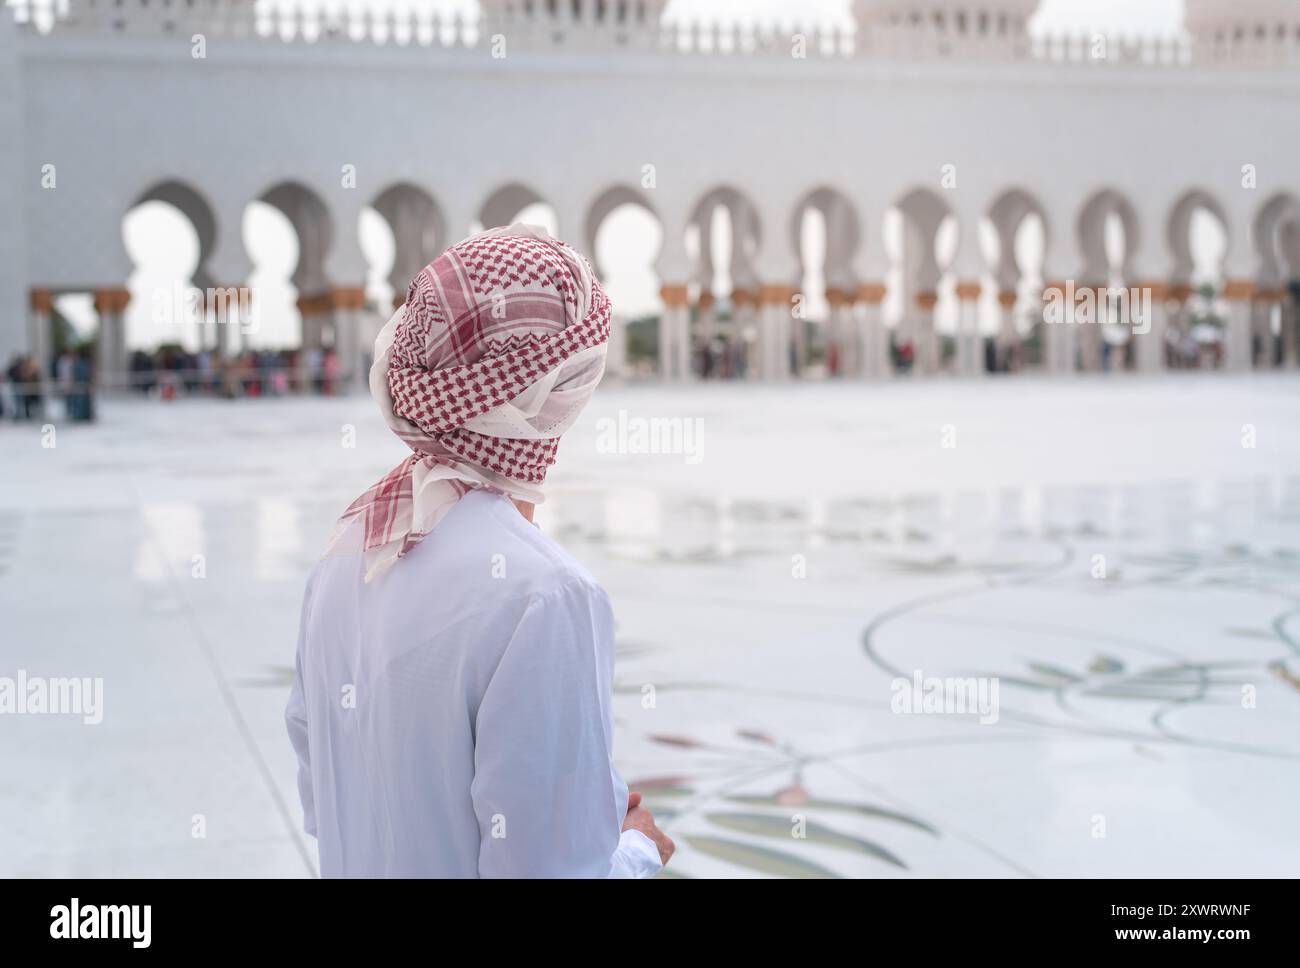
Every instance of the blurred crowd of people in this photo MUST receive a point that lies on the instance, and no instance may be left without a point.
(172, 371)
(21, 393)
(166, 373)
(71, 380)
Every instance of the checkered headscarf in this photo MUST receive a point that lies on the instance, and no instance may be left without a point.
(496, 351)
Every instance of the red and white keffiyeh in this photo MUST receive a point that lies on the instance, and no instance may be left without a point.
(498, 348)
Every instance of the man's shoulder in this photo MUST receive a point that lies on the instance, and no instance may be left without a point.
(486, 535)
(483, 557)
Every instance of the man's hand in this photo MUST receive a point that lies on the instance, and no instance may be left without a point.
(640, 818)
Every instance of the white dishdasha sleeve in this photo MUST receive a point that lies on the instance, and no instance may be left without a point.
(295, 719)
(548, 799)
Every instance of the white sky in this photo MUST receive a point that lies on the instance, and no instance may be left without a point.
(1113, 15)
(163, 246)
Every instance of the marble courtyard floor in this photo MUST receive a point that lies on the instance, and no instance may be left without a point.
(1121, 554)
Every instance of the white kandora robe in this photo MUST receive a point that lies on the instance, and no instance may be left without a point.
(452, 718)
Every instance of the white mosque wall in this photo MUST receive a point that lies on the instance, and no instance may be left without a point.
(116, 117)
(14, 273)
(118, 114)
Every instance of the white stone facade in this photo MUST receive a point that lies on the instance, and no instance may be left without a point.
(944, 112)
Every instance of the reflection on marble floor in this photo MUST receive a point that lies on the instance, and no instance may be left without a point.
(1116, 691)
(1135, 595)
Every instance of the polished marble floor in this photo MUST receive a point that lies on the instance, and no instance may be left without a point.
(1120, 555)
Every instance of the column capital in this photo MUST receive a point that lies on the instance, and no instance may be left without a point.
(1238, 289)
(744, 297)
(1159, 290)
(316, 305)
(42, 300)
(348, 297)
(872, 292)
(112, 300)
(675, 295)
(706, 300)
(838, 297)
(927, 300)
(771, 294)
(1007, 298)
(968, 290)
(1181, 291)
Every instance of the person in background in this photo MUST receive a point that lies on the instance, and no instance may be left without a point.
(279, 370)
(83, 387)
(14, 371)
(33, 402)
(315, 361)
(204, 369)
(331, 372)
(64, 381)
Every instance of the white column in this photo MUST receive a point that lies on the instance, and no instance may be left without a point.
(673, 266)
(1290, 334)
(349, 304)
(674, 334)
(1178, 319)
(665, 330)
(39, 335)
(706, 324)
(1008, 342)
(229, 333)
(970, 356)
(874, 360)
(1058, 335)
(226, 311)
(776, 271)
(1261, 328)
(110, 343)
(925, 345)
(1240, 264)
(1088, 329)
(682, 341)
(765, 347)
(314, 311)
(121, 359)
(747, 323)
(1236, 337)
(842, 333)
(797, 321)
(1149, 348)
(775, 320)
(106, 375)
